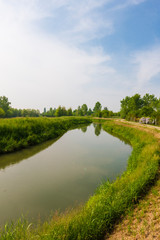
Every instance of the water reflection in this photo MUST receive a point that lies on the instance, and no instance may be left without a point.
(84, 129)
(18, 156)
(97, 128)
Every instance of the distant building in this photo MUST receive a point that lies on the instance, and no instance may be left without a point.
(44, 110)
(142, 120)
(147, 120)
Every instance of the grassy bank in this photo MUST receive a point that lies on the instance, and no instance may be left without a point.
(20, 133)
(142, 221)
(110, 200)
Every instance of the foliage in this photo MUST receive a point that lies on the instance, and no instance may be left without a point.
(84, 109)
(2, 112)
(110, 201)
(97, 109)
(4, 104)
(6, 111)
(136, 107)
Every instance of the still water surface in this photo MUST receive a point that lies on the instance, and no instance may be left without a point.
(59, 174)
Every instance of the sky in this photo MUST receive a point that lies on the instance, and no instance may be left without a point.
(71, 52)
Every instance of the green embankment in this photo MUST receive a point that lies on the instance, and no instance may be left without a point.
(20, 133)
(110, 201)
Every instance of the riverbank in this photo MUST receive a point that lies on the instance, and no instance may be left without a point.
(141, 221)
(19, 133)
(110, 201)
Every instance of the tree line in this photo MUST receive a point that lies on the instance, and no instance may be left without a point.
(135, 107)
(80, 111)
(132, 108)
(6, 111)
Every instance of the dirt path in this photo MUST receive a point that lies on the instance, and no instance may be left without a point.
(144, 127)
(144, 221)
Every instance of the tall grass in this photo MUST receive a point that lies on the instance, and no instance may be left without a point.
(19, 133)
(110, 201)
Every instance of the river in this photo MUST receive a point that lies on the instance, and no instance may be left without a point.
(59, 174)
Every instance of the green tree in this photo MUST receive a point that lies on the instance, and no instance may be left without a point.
(58, 112)
(4, 104)
(64, 111)
(79, 111)
(2, 113)
(84, 109)
(97, 109)
(125, 107)
(90, 111)
(147, 111)
(69, 112)
(130, 107)
(105, 113)
(149, 100)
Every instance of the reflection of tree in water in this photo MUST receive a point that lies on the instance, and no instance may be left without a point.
(97, 128)
(84, 129)
(18, 156)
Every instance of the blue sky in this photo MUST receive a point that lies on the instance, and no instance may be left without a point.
(70, 52)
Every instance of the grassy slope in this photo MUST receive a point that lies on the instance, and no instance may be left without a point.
(142, 221)
(111, 199)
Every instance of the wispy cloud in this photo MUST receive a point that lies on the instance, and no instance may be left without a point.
(43, 68)
(147, 64)
(123, 4)
(44, 62)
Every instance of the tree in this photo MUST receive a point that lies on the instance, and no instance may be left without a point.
(105, 113)
(69, 112)
(58, 112)
(125, 107)
(135, 107)
(90, 111)
(135, 104)
(79, 111)
(4, 104)
(2, 113)
(84, 109)
(149, 100)
(146, 111)
(97, 108)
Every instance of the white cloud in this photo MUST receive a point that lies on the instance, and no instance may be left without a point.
(42, 68)
(136, 2)
(147, 64)
(125, 4)
(39, 70)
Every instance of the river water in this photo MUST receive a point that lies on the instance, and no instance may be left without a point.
(59, 174)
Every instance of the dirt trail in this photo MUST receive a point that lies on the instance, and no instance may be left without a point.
(155, 130)
(144, 221)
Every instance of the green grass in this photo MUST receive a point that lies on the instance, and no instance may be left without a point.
(20, 133)
(110, 201)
